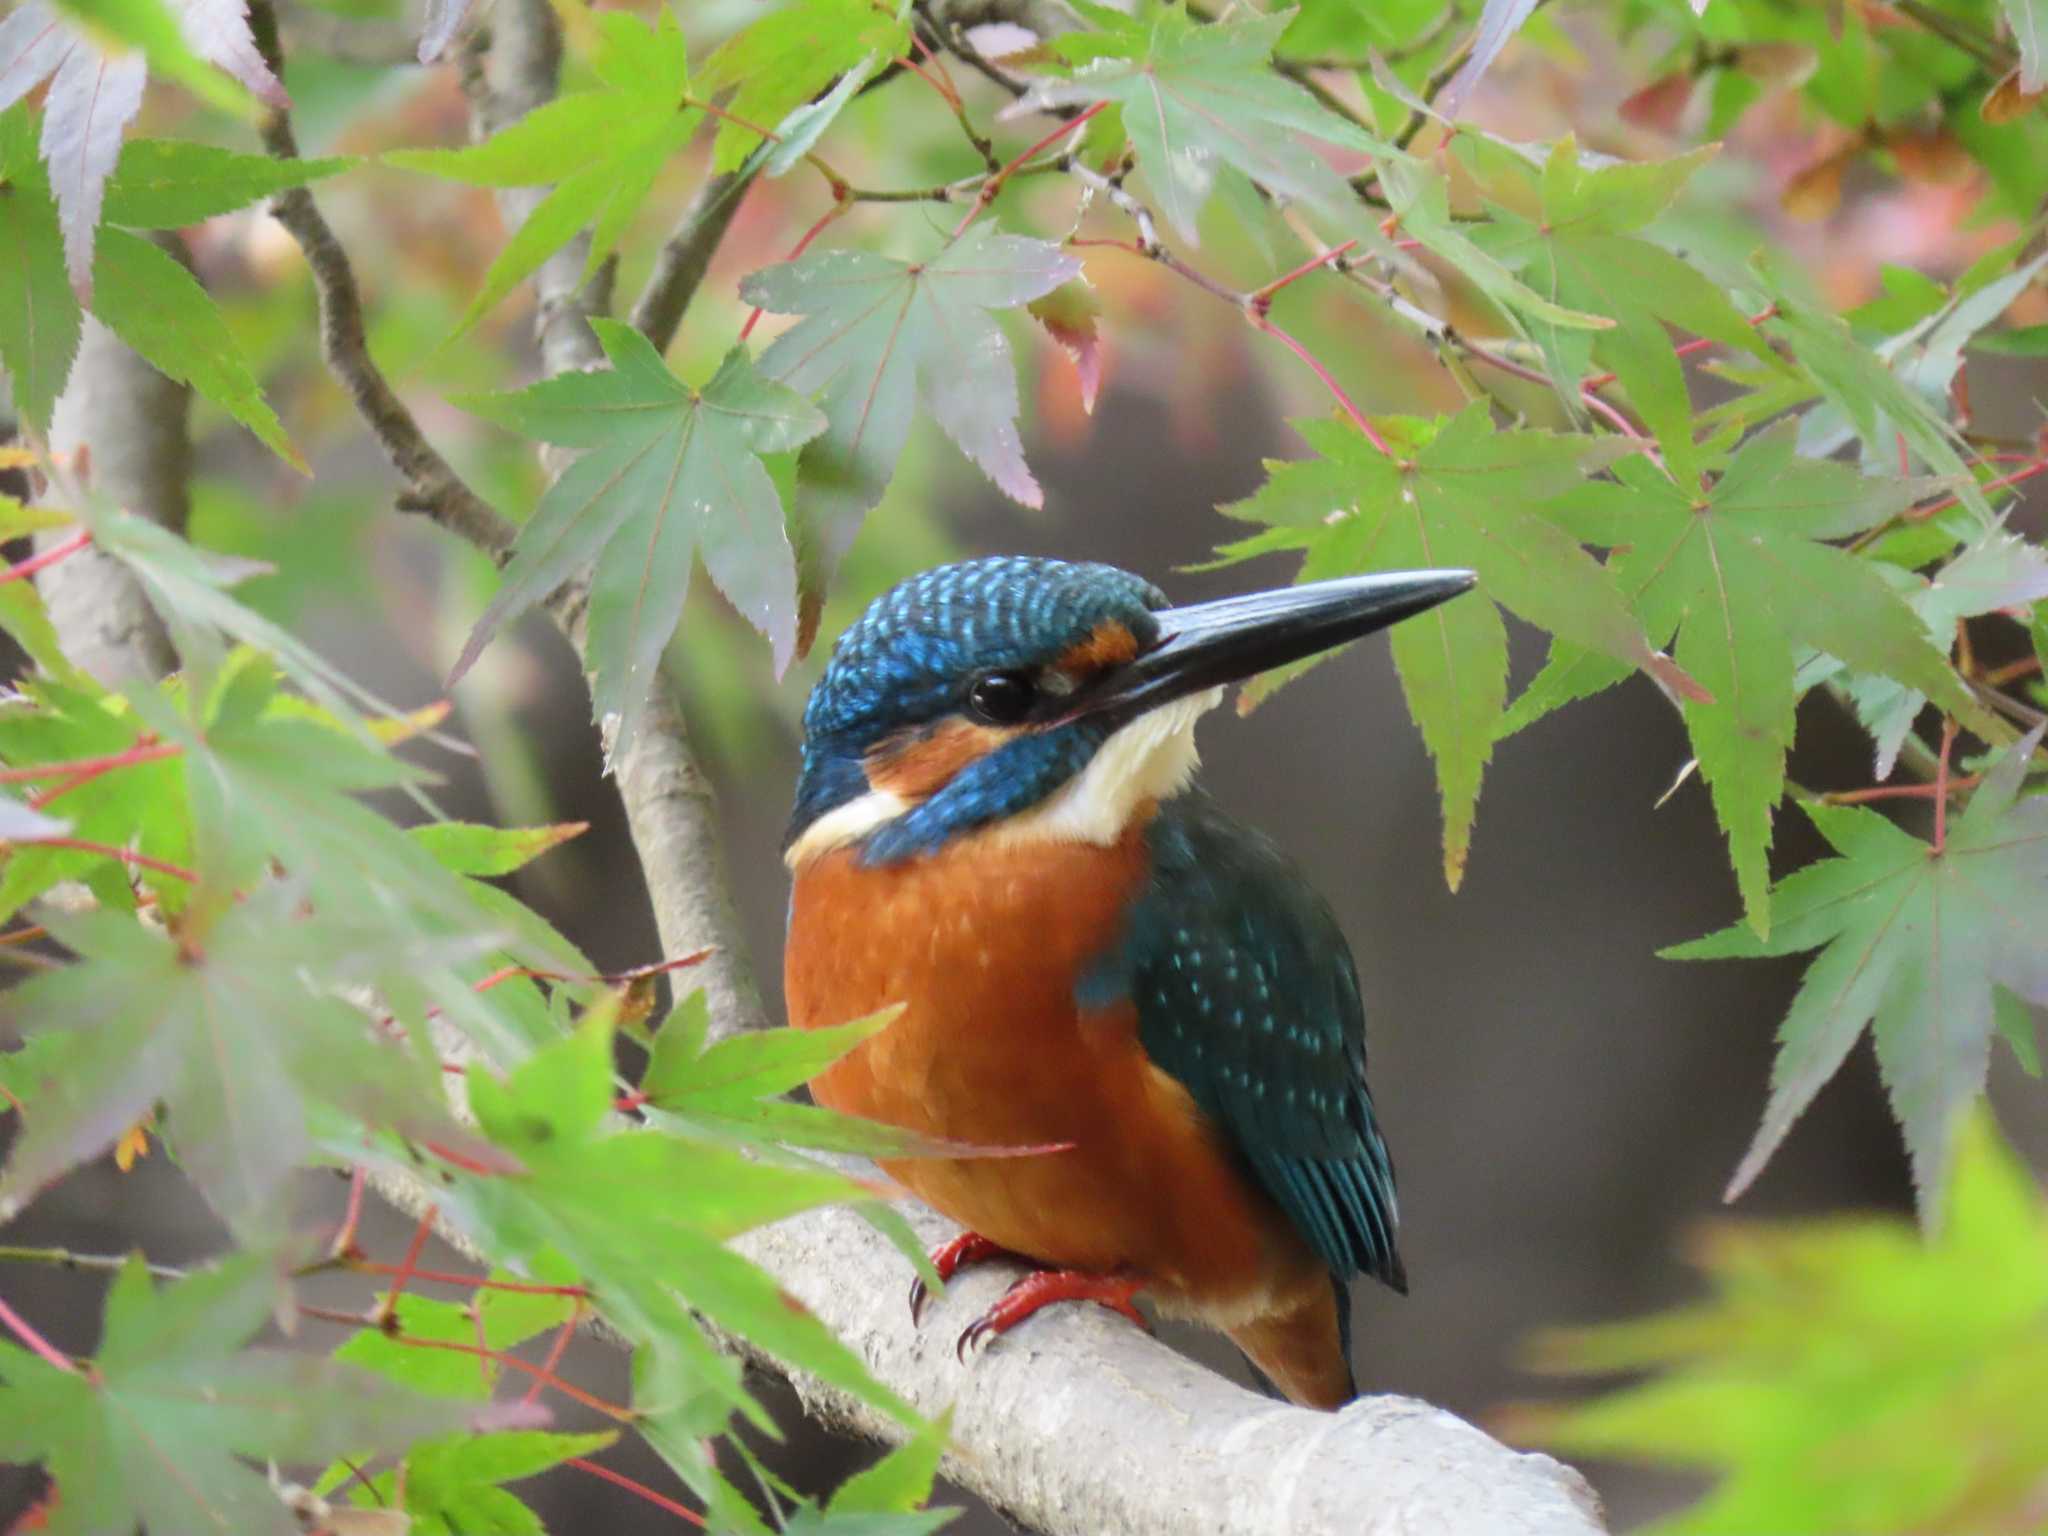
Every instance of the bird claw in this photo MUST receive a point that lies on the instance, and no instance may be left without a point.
(949, 1258)
(1044, 1288)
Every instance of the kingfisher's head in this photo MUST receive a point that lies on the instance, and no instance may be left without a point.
(1041, 699)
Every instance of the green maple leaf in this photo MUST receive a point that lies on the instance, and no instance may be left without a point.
(453, 1484)
(40, 318)
(1455, 493)
(139, 292)
(1998, 571)
(271, 777)
(159, 1431)
(1583, 253)
(602, 149)
(1421, 195)
(190, 588)
(783, 60)
(878, 334)
(172, 183)
(240, 1033)
(734, 1087)
(1199, 96)
(644, 1217)
(670, 473)
(1846, 1374)
(1739, 575)
(1915, 941)
(141, 806)
(1861, 385)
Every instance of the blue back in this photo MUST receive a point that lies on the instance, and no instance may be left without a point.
(1246, 994)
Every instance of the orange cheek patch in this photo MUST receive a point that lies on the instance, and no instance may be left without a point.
(1111, 645)
(926, 764)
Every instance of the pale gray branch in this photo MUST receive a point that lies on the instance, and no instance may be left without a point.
(125, 426)
(1080, 1425)
(673, 815)
(507, 71)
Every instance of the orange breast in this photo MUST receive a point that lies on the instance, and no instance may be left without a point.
(983, 944)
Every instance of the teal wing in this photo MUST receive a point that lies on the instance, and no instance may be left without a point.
(1247, 995)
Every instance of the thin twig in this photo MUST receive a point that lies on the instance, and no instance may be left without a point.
(1148, 244)
(18, 1325)
(1264, 323)
(45, 558)
(1954, 785)
(1433, 87)
(568, 1389)
(1948, 741)
(125, 855)
(994, 183)
(634, 1486)
(92, 1263)
(144, 751)
(345, 344)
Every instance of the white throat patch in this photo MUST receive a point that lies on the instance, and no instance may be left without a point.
(1152, 758)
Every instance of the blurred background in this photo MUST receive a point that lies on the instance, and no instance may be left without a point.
(1564, 1108)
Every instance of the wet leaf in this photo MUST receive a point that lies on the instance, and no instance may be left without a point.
(1740, 576)
(1913, 940)
(1196, 97)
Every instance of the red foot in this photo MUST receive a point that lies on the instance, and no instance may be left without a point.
(950, 1258)
(1046, 1287)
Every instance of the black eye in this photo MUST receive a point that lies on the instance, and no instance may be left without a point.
(1002, 698)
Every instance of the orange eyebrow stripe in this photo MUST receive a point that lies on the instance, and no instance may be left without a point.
(1110, 645)
(927, 763)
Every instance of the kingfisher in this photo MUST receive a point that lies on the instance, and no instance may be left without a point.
(996, 827)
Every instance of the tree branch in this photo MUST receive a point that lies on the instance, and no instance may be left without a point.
(1081, 1425)
(431, 483)
(1084, 1425)
(507, 72)
(686, 255)
(124, 426)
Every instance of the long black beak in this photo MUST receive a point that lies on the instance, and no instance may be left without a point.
(1237, 637)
